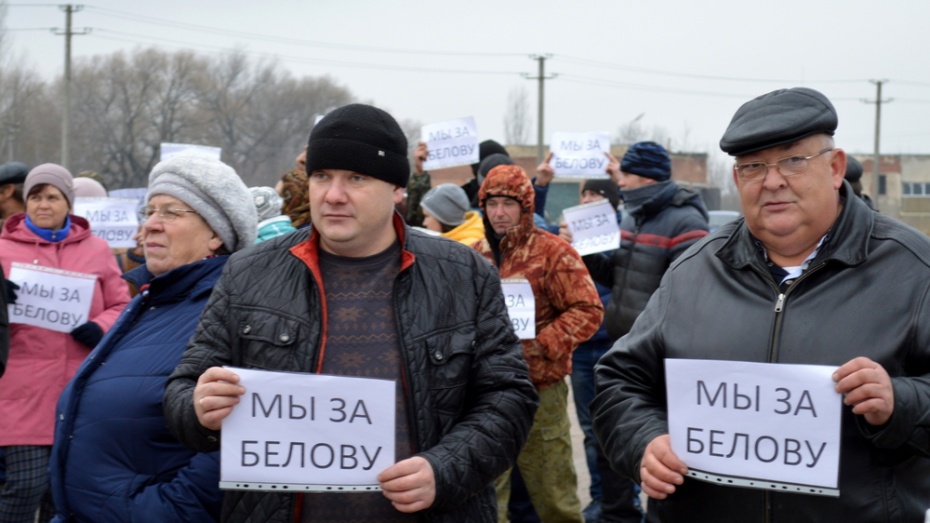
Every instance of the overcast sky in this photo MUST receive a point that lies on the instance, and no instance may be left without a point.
(684, 65)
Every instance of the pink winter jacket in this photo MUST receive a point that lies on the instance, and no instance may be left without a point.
(42, 361)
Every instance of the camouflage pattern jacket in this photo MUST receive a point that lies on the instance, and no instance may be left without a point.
(568, 308)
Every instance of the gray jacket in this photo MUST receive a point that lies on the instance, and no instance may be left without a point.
(468, 386)
(867, 293)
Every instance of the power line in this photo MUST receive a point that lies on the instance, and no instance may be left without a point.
(641, 87)
(128, 37)
(608, 65)
(280, 39)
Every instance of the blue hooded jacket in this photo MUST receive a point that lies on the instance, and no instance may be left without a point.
(113, 458)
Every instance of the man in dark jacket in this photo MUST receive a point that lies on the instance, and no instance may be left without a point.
(809, 276)
(665, 220)
(430, 315)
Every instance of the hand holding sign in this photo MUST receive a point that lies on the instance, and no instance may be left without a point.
(660, 469)
(419, 156)
(215, 395)
(409, 484)
(868, 389)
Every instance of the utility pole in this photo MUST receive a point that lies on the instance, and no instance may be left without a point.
(69, 9)
(12, 128)
(541, 77)
(876, 160)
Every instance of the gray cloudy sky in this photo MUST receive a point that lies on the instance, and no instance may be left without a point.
(685, 65)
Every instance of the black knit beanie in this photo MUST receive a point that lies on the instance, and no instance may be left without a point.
(606, 188)
(360, 138)
(647, 159)
(485, 149)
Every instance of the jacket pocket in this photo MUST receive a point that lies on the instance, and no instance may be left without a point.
(450, 356)
(268, 341)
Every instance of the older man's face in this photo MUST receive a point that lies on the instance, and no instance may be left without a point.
(791, 213)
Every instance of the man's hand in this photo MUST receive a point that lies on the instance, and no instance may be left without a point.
(564, 233)
(867, 388)
(660, 469)
(419, 156)
(409, 484)
(613, 168)
(215, 396)
(544, 172)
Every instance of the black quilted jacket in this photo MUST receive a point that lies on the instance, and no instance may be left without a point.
(470, 394)
(655, 232)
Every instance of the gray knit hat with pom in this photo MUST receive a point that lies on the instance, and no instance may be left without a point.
(215, 191)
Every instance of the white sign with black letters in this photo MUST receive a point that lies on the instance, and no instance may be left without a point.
(450, 143)
(580, 155)
(308, 432)
(521, 306)
(112, 219)
(593, 226)
(189, 149)
(50, 298)
(759, 425)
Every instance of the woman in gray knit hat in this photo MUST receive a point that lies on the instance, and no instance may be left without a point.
(111, 427)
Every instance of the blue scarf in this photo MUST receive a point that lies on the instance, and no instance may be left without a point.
(48, 234)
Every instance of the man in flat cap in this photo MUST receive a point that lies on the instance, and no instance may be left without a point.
(12, 176)
(810, 276)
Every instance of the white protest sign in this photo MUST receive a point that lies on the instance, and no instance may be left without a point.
(50, 298)
(173, 149)
(593, 226)
(307, 432)
(580, 155)
(450, 143)
(760, 425)
(136, 193)
(521, 306)
(113, 219)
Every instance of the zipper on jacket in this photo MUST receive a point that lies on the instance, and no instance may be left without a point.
(779, 310)
(780, 303)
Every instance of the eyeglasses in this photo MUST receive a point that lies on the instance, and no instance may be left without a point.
(789, 166)
(166, 214)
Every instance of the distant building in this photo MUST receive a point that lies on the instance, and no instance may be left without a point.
(902, 189)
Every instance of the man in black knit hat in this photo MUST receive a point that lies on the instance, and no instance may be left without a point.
(396, 304)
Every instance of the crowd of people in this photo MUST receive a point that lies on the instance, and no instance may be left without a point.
(355, 265)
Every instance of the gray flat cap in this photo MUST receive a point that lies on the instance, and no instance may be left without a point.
(13, 172)
(778, 118)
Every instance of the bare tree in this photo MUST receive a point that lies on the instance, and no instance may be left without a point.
(517, 120)
(260, 115)
(411, 129)
(19, 88)
(127, 106)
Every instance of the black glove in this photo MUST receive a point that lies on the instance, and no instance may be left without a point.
(11, 289)
(89, 334)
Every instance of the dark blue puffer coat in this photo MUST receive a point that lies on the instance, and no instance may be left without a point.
(113, 459)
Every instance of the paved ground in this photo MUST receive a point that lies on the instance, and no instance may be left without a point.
(581, 465)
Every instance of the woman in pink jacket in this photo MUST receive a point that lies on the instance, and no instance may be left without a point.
(44, 242)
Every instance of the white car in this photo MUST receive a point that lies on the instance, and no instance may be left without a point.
(718, 218)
